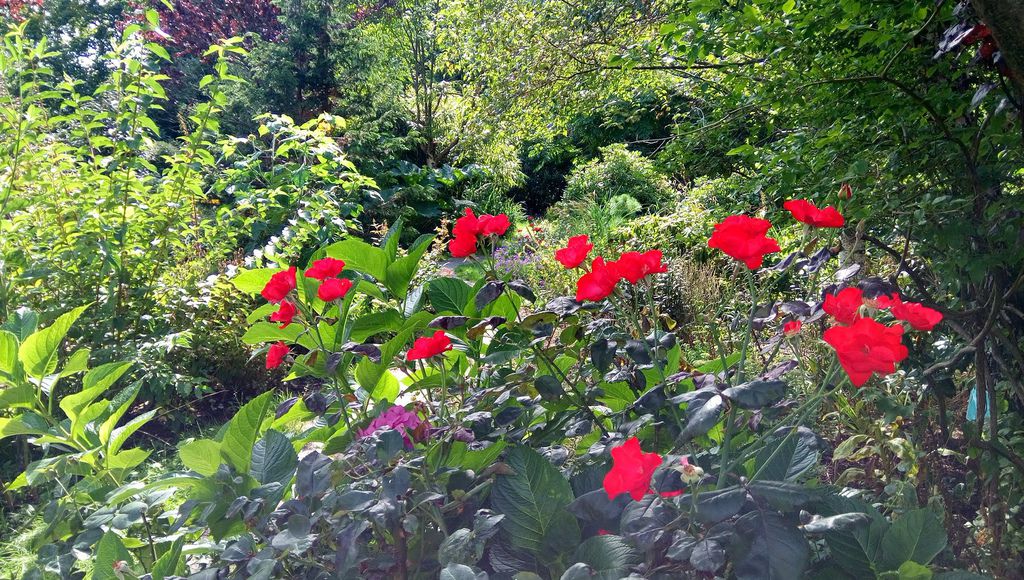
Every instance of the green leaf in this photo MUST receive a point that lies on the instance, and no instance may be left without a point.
(910, 570)
(787, 461)
(20, 425)
(773, 548)
(533, 500)
(360, 256)
(917, 535)
(244, 429)
(401, 272)
(170, 563)
(449, 295)
(76, 363)
(38, 353)
(109, 551)
(121, 434)
(253, 281)
(756, 394)
(269, 332)
(273, 459)
(8, 352)
(609, 557)
(201, 456)
(94, 383)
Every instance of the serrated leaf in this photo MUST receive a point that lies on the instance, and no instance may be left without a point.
(609, 557)
(273, 459)
(38, 353)
(533, 499)
(201, 456)
(244, 429)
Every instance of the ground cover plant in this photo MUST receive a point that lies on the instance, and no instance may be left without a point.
(507, 289)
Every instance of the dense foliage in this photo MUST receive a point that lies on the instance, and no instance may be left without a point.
(602, 289)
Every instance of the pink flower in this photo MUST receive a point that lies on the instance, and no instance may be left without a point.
(399, 419)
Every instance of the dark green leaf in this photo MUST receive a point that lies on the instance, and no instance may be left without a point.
(756, 394)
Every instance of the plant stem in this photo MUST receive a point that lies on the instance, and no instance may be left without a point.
(730, 418)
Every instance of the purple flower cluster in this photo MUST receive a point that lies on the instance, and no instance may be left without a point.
(398, 418)
(515, 256)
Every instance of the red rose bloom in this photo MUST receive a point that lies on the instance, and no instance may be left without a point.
(285, 313)
(334, 288)
(634, 266)
(599, 283)
(462, 245)
(806, 212)
(280, 285)
(792, 328)
(428, 346)
(845, 306)
(276, 354)
(575, 252)
(631, 470)
(867, 347)
(493, 225)
(468, 225)
(325, 268)
(918, 315)
(743, 238)
(845, 191)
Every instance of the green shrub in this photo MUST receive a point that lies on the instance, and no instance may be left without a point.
(619, 171)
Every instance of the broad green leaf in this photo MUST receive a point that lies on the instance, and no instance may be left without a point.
(78, 362)
(170, 563)
(917, 536)
(269, 332)
(400, 272)
(21, 396)
(123, 401)
(121, 434)
(253, 281)
(109, 551)
(360, 256)
(126, 460)
(94, 384)
(201, 456)
(273, 459)
(20, 425)
(533, 499)
(775, 548)
(38, 353)
(8, 352)
(449, 295)
(911, 570)
(610, 557)
(790, 460)
(244, 429)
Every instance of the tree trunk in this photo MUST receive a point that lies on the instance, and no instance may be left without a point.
(1005, 18)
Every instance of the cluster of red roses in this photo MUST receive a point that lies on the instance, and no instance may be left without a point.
(865, 346)
(602, 277)
(281, 285)
(469, 228)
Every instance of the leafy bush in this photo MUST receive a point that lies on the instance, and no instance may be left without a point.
(498, 460)
(619, 171)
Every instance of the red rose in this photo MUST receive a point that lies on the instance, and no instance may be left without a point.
(325, 268)
(285, 313)
(867, 347)
(918, 315)
(792, 328)
(280, 285)
(634, 266)
(575, 252)
(334, 288)
(276, 354)
(845, 191)
(631, 470)
(845, 306)
(493, 225)
(599, 283)
(468, 225)
(428, 346)
(743, 238)
(806, 212)
(462, 245)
